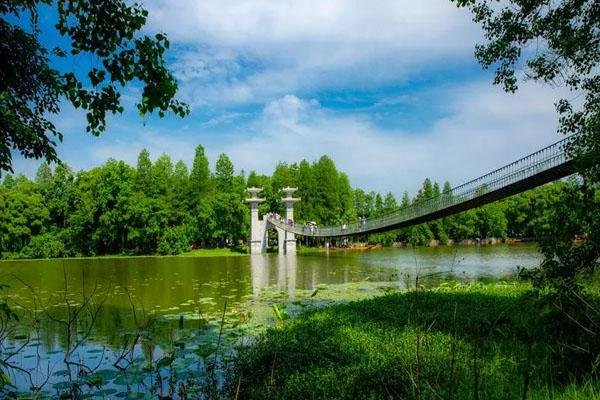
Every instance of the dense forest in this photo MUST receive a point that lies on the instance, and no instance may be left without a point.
(165, 208)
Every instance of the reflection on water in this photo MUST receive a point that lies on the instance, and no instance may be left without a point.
(260, 273)
(172, 284)
(178, 286)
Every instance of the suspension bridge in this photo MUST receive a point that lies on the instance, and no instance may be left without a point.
(546, 165)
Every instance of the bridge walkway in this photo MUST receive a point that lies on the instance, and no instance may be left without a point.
(543, 166)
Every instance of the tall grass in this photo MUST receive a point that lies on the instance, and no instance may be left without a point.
(458, 341)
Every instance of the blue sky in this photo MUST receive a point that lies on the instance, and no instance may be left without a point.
(388, 88)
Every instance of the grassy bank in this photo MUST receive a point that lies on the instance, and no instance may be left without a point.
(217, 252)
(459, 341)
(357, 247)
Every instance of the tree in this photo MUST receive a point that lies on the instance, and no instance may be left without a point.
(229, 210)
(426, 191)
(44, 246)
(326, 202)
(180, 192)
(200, 177)
(143, 176)
(379, 211)
(101, 222)
(32, 88)
(345, 198)
(43, 176)
(230, 216)
(23, 214)
(224, 173)
(405, 200)
(253, 179)
(447, 196)
(264, 182)
(281, 177)
(491, 221)
(569, 34)
(60, 195)
(447, 190)
(173, 241)
(306, 191)
(162, 172)
(462, 225)
(146, 222)
(389, 203)
(361, 205)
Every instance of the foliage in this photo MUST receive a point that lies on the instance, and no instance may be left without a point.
(117, 209)
(22, 214)
(326, 193)
(46, 245)
(174, 241)
(514, 217)
(566, 261)
(33, 85)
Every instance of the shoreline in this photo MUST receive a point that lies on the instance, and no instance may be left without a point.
(302, 250)
(464, 243)
(197, 253)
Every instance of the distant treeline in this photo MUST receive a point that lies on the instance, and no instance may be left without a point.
(164, 208)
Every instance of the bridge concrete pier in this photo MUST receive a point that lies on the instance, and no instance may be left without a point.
(258, 227)
(289, 237)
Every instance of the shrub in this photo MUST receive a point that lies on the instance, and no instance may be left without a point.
(175, 240)
(46, 245)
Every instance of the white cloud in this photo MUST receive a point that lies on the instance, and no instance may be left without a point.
(242, 51)
(487, 129)
(265, 24)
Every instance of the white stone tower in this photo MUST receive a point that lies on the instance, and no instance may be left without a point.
(289, 200)
(257, 227)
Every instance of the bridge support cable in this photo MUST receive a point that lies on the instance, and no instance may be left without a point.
(546, 165)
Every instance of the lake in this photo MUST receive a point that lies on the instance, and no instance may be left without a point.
(127, 314)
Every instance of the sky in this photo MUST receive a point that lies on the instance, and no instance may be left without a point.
(389, 89)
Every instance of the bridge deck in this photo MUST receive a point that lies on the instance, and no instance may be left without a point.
(543, 166)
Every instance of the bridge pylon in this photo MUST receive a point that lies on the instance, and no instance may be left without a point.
(289, 238)
(258, 231)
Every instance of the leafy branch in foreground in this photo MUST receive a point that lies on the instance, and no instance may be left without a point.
(32, 89)
(553, 42)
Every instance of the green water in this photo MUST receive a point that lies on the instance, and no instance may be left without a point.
(167, 284)
(185, 291)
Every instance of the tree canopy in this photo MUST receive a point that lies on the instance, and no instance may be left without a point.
(158, 207)
(33, 87)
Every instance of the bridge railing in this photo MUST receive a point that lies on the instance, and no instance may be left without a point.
(531, 165)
